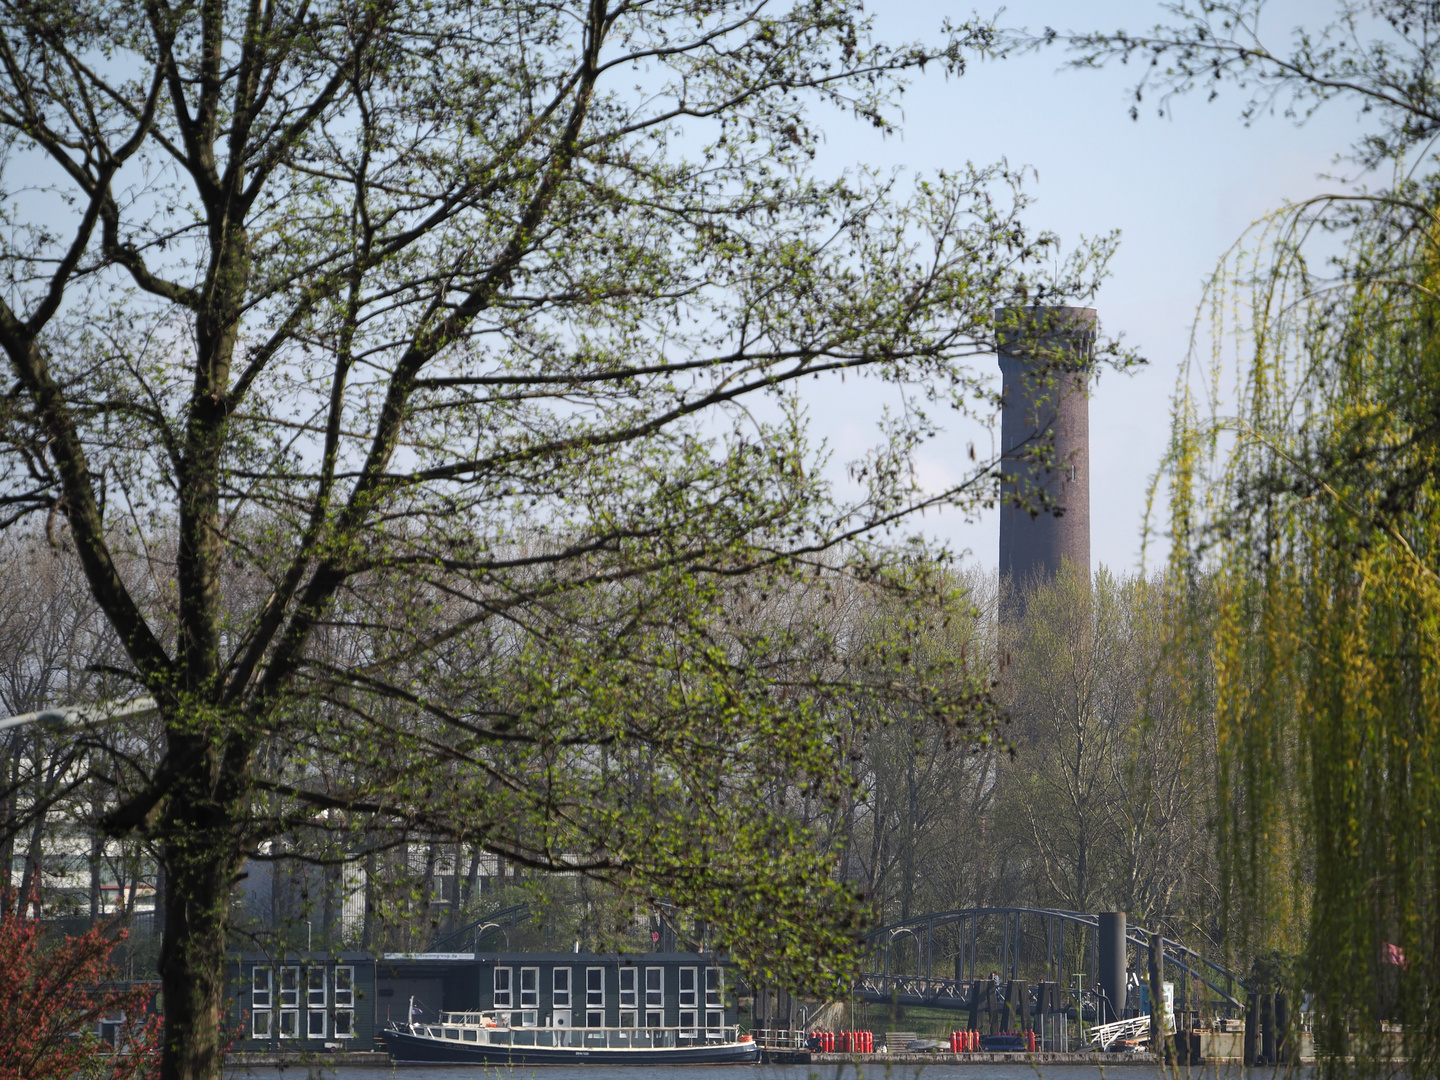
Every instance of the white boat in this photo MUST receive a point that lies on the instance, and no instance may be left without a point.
(490, 1038)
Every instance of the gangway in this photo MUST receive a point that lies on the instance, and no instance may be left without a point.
(1104, 1036)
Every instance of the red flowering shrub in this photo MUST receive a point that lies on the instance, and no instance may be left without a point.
(52, 999)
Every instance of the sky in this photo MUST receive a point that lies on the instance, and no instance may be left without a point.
(1181, 190)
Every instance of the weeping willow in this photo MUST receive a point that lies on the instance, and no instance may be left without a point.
(1304, 477)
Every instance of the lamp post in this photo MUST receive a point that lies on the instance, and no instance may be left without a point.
(83, 716)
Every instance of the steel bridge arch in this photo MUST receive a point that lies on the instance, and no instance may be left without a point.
(924, 985)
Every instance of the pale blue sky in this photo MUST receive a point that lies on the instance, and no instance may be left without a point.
(1181, 191)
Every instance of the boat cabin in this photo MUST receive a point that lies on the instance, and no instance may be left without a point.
(318, 1001)
(308, 1001)
(614, 990)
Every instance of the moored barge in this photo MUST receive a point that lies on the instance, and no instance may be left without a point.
(488, 1038)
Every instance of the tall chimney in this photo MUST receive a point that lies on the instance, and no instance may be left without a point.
(1045, 355)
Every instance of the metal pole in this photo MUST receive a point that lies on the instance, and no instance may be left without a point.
(1060, 954)
(972, 947)
(1015, 952)
(1005, 957)
(1050, 952)
(1095, 968)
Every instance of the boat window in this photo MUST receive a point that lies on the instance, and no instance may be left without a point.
(595, 997)
(594, 987)
(560, 988)
(654, 997)
(529, 987)
(345, 987)
(470, 1035)
(315, 987)
(502, 988)
(689, 999)
(289, 987)
(528, 1018)
(452, 1033)
(261, 979)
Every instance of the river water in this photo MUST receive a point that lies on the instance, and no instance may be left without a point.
(868, 1071)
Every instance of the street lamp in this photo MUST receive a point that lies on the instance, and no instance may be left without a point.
(77, 715)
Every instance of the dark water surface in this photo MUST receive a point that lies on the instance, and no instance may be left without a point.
(868, 1071)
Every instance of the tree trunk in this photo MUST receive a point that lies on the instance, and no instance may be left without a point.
(367, 930)
(199, 861)
(427, 893)
(457, 855)
(334, 879)
(471, 878)
(8, 820)
(97, 850)
(158, 921)
(30, 878)
(132, 869)
(192, 959)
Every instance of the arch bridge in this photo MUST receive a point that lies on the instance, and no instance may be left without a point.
(936, 960)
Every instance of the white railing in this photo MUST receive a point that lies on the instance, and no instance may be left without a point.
(781, 1038)
(462, 1027)
(1137, 1027)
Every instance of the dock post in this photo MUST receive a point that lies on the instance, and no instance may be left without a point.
(1159, 1037)
(1113, 966)
(1267, 1028)
(1251, 1047)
